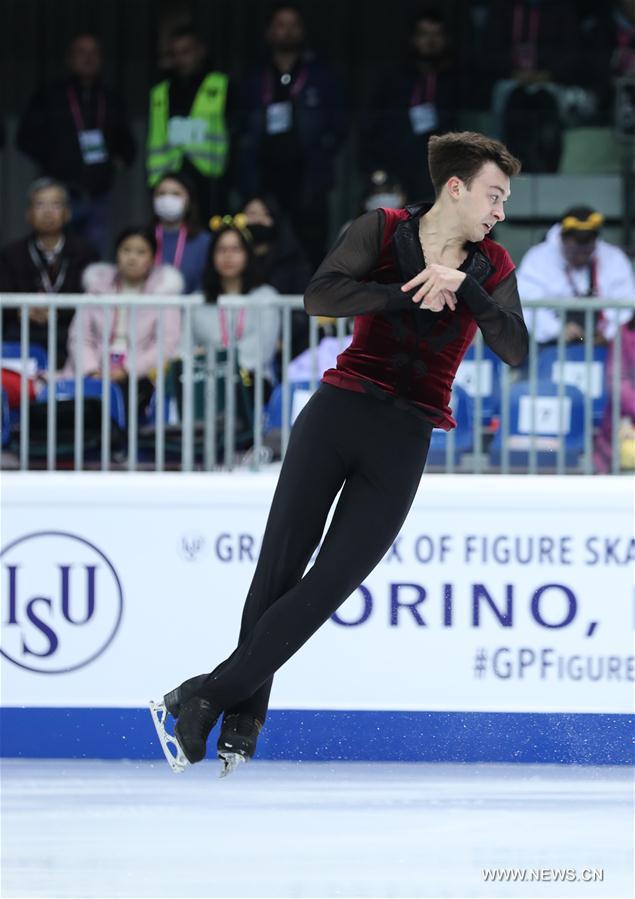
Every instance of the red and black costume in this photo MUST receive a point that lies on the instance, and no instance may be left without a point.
(365, 431)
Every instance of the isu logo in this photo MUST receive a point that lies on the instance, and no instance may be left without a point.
(62, 602)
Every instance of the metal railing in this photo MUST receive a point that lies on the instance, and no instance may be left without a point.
(208, 440)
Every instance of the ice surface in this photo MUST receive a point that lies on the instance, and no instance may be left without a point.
(277, 829)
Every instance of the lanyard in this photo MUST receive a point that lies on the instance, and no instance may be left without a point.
(179, 249)
(45, 279)
(240, 326)
(519, 21)
(294, 88)
(430, 91)
(592, 290)
(77, 113)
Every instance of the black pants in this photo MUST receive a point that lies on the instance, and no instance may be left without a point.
(377, 453)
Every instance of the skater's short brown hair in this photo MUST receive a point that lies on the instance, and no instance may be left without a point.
(464, 153)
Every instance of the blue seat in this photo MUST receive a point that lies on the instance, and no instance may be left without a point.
(11, 350)
(489, 380)
(550, 434)
(575, 372)
(273, 410)
(93, 389)
(463, 412)
(6, 418)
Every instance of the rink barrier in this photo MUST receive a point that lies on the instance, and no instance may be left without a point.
(207, 443)
(306, 736)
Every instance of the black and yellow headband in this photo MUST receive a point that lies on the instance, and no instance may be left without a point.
(238, 221)
(593, 222)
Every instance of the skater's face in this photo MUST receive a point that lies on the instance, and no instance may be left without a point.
(230, 256)
(134, 259)
(48, 211)
(480, 203)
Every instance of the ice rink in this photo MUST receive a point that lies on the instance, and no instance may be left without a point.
(278, 829)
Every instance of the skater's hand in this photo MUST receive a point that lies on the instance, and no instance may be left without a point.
(437, 287)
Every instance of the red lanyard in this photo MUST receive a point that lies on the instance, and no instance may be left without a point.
(77, 113)
(294, 88)
(240, 326)
(180, 246)
(430, 92)
(519, 21)
(592, 290)
(624, 57)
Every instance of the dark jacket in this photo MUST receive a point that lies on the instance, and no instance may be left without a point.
(48, 134)
(389, 141)
(319, 124)
(19, 274)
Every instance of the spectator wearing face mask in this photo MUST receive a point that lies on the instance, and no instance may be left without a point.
(181, 241)
(282, 261)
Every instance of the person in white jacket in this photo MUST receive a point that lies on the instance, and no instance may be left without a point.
(574, 261)
(232, 269)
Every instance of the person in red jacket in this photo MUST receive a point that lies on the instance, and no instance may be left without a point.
(419, 281)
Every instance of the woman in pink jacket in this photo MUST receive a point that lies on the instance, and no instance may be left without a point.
(134, 273)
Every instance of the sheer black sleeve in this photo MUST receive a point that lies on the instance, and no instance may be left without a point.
(337, 288)
(499, 317)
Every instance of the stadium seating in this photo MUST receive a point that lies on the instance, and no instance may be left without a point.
(549, 432)
(463, 411)
(574, 372)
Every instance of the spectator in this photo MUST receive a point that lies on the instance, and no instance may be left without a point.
(76, 131)
(48, 260)
(523, 50)
(292, 121)
(609, 49)
(626, 416)
(381, 191)
(181, 241)
(134, 273)
(187, 128)
(573, 261)
(282, 263)
(410, 103)
(232, 268)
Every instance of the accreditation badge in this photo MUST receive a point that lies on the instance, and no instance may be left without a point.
(279, 117)
(423, 118)
(92, 144)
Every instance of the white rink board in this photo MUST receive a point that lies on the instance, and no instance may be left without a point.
(152, 571)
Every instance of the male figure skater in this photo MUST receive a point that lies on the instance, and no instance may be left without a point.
(419, 282)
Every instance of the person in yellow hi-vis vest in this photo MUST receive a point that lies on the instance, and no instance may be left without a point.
(188, 123)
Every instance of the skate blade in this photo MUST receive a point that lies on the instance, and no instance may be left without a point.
(169, 744)
(231, 761)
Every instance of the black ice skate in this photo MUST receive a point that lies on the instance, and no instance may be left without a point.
(196, 718)
(237, 740)
(188, 742)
